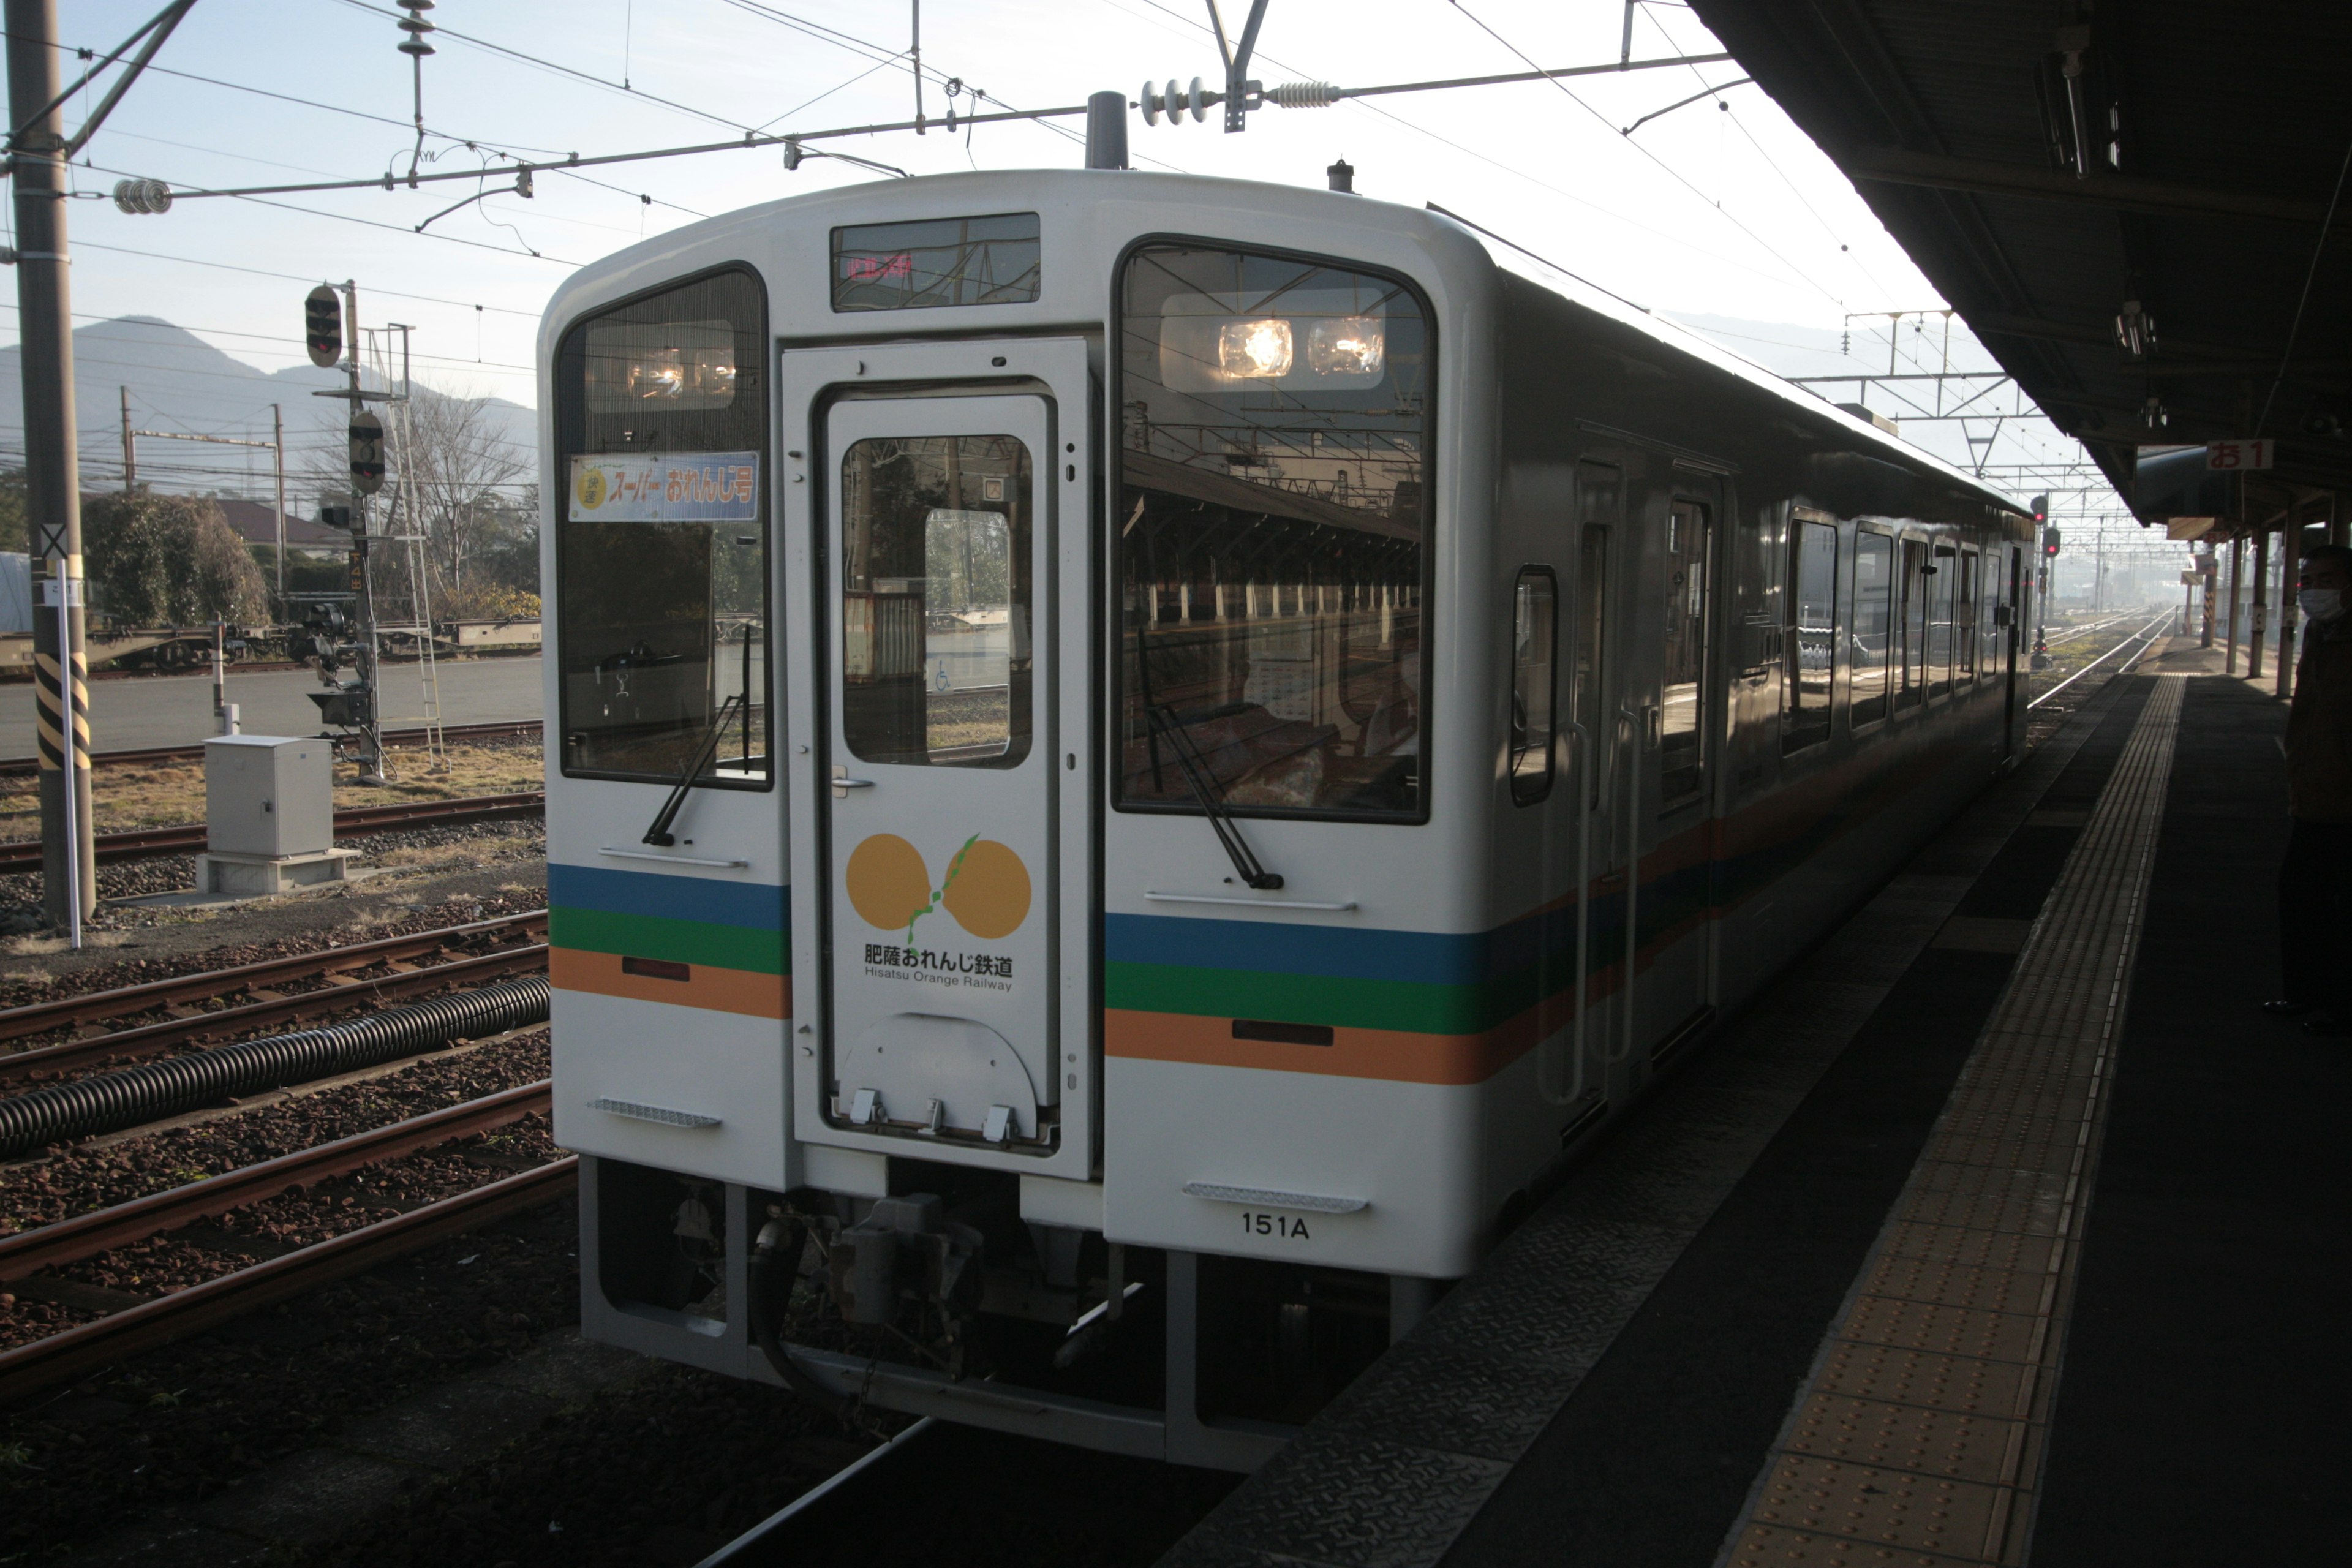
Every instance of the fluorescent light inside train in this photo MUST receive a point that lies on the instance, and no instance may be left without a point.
(669, 374)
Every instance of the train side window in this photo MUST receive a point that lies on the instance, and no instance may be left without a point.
(1590, 673)
(1965, 633)
(1681, 725)
(1812, 645)
(1535, 666)
(1943, 580)
(661, 541)
(1914, 624)
(1873, 647)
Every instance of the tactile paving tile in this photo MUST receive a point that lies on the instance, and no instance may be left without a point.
(1948, 1444)
(1883, 1508)
(1953, 1331)
(1766, 1546)
(1970, 1384)
(1971, 1249)
(1955, 1285)
(1941, 1366)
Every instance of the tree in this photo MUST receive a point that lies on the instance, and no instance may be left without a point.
(450, 482)
(14, 532)
(169, 560)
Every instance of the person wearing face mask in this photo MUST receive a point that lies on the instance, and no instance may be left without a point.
(2315, 881)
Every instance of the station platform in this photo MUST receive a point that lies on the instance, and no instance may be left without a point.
(2005, 1227)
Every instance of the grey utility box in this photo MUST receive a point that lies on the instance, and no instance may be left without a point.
(269, 795)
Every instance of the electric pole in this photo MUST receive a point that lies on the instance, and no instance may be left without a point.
(129, 450)
(52, 470)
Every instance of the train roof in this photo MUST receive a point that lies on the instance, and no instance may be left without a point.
(1177, 203)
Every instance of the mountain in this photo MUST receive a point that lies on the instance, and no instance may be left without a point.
(179, 382)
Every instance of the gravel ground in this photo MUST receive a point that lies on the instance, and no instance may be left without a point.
(500, 871)
(155, 1436)
(396, 858)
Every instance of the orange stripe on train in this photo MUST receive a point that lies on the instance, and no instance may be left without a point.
(706, 985)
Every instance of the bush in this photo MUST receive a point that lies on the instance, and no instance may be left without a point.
(170, 560)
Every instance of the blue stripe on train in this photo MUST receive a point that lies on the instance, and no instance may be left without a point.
(756, 906)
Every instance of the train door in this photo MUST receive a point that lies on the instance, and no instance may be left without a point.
(1590, 626)
(1671, 792)
(943, 539)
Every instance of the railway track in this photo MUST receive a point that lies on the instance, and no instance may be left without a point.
(264, 1005)
(43, 1363)
(514, 729)
(24, 854)
(2144, 632)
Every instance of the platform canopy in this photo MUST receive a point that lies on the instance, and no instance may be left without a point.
(2068, 175)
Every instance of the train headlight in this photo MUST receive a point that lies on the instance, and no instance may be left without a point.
(1347, 345)
(661, 374)
(1256, 349)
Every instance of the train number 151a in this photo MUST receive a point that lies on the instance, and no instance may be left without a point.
(1282, 1224)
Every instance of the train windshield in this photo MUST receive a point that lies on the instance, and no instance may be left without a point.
(661, 538)
(1273, 534)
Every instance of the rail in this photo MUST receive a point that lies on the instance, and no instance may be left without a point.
(141, 1219)
(30, 1368)
(2146, 635)
(39, 1017)
(24, 854)
(152, 756)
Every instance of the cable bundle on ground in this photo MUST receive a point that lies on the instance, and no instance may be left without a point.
(107, 1103)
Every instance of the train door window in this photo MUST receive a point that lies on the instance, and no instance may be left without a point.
(1873, 639)
(1592, 652)
(1535, 665)
(661, 544)
(1272, 544)
(935, 599)
(1914, 624)
(1943, 581)
(1965, 635)
(1810, 648)
(1681, 724)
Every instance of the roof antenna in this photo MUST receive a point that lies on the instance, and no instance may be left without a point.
(1106, 131)
(1342, 175)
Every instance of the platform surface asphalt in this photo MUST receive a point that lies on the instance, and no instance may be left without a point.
(2202, 1372)
(138, 712)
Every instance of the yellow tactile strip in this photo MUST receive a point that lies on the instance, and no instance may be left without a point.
(1918, 1438)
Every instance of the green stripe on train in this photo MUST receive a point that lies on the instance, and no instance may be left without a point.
(676, 941)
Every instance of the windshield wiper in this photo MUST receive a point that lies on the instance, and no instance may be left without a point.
(1198, 778)
(659, 834)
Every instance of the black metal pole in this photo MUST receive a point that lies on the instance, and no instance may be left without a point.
(52, 470)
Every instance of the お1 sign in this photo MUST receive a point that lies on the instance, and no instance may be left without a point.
(2229, 457)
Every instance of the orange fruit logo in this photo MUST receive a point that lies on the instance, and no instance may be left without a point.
(986, 887)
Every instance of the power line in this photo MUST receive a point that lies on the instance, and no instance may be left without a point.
(1653, 158)
(297, 278)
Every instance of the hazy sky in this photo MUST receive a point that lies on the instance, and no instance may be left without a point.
(1727, 212)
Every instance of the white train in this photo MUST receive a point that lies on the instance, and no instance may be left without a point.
(1109, 731)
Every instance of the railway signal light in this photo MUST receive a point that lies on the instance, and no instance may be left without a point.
(332, 515)
(367, 453)
(322, 326)
(2040, 510)
(2049, 541)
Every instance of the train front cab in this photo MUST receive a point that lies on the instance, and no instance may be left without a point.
(1146, 962)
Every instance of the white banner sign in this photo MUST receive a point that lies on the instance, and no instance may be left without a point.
(685, 487)
(74, 589)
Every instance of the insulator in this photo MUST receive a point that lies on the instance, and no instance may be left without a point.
(1303, 95)
(1199, 99)
(1151, 103)
(142, 196)
(1174, 102)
